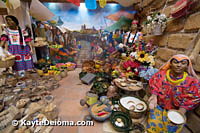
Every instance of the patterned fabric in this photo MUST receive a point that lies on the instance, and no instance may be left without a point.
(184, 95)
(158, 122)
(23, 56)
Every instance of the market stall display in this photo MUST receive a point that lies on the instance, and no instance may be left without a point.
(24, 99)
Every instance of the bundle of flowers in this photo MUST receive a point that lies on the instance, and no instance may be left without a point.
(156, 19)
(147, 74)
(70, 65)
(144, 58)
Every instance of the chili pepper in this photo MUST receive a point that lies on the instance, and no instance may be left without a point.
(102, 113)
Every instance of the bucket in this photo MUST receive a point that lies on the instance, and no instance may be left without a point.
(91, 98)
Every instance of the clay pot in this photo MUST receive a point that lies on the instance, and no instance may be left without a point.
(112, 91)
(63, 74)
(57, 77)
(66, 72)
(21, 103)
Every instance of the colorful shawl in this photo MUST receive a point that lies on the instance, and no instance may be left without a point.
(180, 57)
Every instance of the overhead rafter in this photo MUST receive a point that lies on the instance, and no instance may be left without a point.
(65, 1)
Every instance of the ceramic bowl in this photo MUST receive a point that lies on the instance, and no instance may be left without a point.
(125, 118)
(140, 106)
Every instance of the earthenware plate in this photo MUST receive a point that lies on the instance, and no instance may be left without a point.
(176, 117)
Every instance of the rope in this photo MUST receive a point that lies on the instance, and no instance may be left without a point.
(165, 6)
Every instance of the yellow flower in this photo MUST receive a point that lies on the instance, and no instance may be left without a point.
(142, 56)
(151, 60)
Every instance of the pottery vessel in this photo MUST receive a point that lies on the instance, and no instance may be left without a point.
(127, 102)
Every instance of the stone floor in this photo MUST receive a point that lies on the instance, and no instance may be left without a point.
(67, 99)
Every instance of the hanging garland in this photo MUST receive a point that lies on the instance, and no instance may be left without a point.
(102, 3)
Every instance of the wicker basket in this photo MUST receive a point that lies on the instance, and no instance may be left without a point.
(7, 63)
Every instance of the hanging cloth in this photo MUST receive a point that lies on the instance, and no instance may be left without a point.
(102, 3)
(75, 2)
(91, 4)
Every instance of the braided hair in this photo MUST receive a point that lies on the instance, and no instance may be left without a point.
(19, 29)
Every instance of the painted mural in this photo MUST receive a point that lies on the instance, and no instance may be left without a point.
(74, 17)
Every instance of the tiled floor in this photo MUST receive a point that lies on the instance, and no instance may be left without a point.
(67, 99)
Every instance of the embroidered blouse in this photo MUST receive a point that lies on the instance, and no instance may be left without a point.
(185, 95)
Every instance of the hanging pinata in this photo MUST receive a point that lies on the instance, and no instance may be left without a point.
(91, 4)
(102, 3)
(75, 2)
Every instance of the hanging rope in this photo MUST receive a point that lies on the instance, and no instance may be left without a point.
(164, 6)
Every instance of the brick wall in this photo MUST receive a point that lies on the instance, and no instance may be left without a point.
(178, 34)
(176, 39)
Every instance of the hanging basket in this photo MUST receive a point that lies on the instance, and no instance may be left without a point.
(157, 30)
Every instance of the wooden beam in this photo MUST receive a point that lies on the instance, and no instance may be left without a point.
(3, 11)
(65, 1)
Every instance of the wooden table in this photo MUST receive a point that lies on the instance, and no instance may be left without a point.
(126, 89)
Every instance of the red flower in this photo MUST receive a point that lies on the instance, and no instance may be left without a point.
(58, 57)
(27, 57)
(18, 57)
(135, 64)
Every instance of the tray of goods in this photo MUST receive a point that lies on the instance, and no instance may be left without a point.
(127, 85)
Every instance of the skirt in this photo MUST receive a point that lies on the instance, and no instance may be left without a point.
(158, 122)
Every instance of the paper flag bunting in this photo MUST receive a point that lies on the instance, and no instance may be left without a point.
(102, 3)
(91, 4)
(75, 2)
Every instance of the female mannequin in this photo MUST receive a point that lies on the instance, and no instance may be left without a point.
(17, 45)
